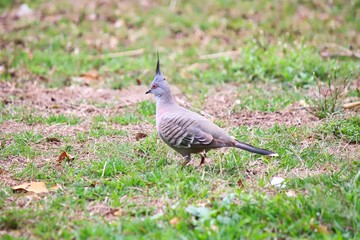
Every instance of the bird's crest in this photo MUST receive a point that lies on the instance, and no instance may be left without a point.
(158, 65)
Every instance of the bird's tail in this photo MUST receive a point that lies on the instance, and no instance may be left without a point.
(253, 149)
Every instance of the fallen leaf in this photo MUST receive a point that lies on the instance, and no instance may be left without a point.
(6, 101)
(278, 182)
(36, 187)
(140, 135)
(91, 75)
(175, 221)
(55, 187)
(138, 81)
(65, 156)
(93, 184)
(52, 139)
(240, 183)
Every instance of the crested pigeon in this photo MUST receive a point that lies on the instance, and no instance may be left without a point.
(188, 132)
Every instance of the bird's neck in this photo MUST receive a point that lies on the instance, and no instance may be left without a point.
(164, 101)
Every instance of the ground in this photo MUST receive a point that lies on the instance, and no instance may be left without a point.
(73, 78)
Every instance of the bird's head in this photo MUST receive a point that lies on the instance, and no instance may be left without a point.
(159, 86)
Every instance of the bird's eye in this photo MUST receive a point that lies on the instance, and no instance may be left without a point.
(164, 79)
(154, 86)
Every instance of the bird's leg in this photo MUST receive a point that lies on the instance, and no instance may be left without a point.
(203, 156)
(187, 159)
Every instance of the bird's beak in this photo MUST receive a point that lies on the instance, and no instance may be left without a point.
(148, 91)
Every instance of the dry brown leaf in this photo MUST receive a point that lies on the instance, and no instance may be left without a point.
(6, 101)
(175, 221)
(138, 81)
(54, 188)
(140, 135)
(240, 183)
(91, 75)
(65, 156)
(55, 106)
(52, 139)
(36, 187)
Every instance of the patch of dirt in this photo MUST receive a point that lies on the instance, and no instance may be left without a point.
(8, 166)
(102, 209)
(221, 101)
(45, 130)
(291, 116)
(74, 100)
(345, 150)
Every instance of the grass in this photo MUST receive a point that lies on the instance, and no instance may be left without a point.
(122, 187)
(347, 129)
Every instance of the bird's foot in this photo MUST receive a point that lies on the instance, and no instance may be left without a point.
(203, 156)
(186, 161)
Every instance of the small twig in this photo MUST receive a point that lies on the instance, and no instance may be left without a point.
(221, 54)
(334, 50)
(351, 105)
(340, 54)
(119, 54)
(104, 168)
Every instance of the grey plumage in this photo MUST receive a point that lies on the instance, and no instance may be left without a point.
(188, 132)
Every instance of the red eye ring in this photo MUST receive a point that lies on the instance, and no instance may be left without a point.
(154, 86)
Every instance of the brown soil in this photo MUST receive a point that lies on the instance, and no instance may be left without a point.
(292, 116)
(74, 100)
(221, 102)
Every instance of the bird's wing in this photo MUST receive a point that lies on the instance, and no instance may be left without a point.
(181, 131)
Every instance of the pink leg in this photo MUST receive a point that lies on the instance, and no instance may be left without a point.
(203, 156)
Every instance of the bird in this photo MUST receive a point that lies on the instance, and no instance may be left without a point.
(188, 132)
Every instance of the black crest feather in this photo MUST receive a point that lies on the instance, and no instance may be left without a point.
(158, 65)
